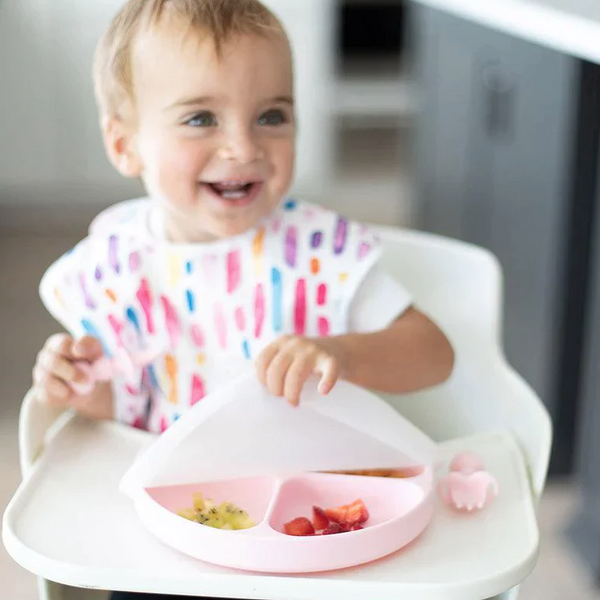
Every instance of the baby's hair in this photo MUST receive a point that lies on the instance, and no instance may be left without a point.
(219, 19)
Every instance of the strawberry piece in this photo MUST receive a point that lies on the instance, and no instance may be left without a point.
(349, 513)
(299, 527)
(356, 527)
(333, 529)
(320, 520)
(338, 514)
(357, 513)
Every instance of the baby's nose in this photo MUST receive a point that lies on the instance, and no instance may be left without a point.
(242, 147)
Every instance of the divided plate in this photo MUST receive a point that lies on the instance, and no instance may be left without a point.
(399, 510)
(242, 445)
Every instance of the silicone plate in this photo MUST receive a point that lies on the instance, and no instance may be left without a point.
(399, 509)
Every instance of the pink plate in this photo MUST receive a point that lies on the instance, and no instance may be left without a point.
(399, 509)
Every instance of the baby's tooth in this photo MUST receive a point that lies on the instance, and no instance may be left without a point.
(233, 195)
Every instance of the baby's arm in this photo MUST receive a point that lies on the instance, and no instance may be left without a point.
(54, 371)
(409, 355)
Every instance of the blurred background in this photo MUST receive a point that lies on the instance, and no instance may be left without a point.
(479, 121)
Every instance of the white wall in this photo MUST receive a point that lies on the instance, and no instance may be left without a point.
(50, 146)
(49, 138)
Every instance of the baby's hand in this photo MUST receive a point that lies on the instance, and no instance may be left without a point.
(286, 364)
(55, 371)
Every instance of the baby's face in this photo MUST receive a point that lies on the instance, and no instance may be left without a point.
(215, 135)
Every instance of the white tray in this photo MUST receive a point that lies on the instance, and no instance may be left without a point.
(69, 523)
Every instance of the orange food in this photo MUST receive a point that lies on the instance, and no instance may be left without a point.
(404, 473)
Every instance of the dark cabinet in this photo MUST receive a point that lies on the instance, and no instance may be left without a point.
(586, 526)
(496, 136)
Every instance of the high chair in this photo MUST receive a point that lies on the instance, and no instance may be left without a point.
(460, 286)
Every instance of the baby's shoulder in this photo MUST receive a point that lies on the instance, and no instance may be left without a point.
(129, 217)
(110, 257)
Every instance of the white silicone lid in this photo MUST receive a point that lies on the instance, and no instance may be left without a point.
(242, 431)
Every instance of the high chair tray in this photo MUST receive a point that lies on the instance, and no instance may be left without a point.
(69, 523)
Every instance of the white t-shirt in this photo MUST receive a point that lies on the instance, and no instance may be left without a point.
(192, 316)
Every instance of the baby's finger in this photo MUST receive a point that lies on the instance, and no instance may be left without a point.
(264, 360)
(58, 366)
(53, 392)
(277, 372)
(300, 370)
(329, 369)
(88, 348)
(60, 343)
(38, 374)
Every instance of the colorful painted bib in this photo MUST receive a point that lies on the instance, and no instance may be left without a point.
(204, 311)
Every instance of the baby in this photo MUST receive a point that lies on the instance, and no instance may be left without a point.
(217, 267)
(217, 270)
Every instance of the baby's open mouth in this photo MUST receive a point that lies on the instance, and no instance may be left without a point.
(234, 190)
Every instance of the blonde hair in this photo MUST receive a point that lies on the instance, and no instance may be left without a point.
(220, 19)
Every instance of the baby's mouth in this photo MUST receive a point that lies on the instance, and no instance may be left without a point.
(234, 190)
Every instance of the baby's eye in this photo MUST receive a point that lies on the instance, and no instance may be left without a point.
(272, 118)
(203, 119)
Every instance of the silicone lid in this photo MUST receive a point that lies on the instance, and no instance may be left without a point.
(242, 431)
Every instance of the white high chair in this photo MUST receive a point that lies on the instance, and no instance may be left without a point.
(460, 286)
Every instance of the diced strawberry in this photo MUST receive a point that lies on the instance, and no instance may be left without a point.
(357, 513)
(356, 527)
(333, 528)
(337, 515)
(299, 527)
(349, 513)
(320, 520)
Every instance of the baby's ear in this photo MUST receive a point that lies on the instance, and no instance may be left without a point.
(119, 142)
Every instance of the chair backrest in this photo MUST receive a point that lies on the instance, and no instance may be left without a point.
(460, 286)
